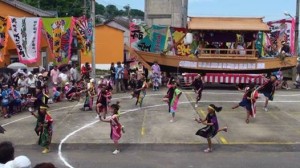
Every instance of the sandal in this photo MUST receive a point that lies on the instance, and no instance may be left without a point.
(247, 121)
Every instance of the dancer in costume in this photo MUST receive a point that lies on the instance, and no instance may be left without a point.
(101, 103)
(140, 91)
(90, 94)
(169, 97)
(44, 127)
(174, 103)
(248, 101)
(116, 127)
(268, 89)
(212, 126)
(198, 88)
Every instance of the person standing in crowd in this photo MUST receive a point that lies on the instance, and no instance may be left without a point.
(63, 78)
(247, 102)
(14, 101)
(112, 73)
(212, 126)
(54, 74)
(140, 71)
(156, 76)
(119, 77)
(31, 83)
(22, 86)
(115, 125)
(74, 74)
(175, 100)
(198, 88)
(44, 127)
(268, 89)
(126, 77)
(86, 70)
(5, 101)
(7, 152)
(155, 68)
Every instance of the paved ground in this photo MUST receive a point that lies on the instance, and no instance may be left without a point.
(270, 140)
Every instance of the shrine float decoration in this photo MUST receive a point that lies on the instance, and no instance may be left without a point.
(216, 45)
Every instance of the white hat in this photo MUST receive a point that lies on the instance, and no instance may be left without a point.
(92, 80)
(101, 77)
(67, 83)
(19, 162)
(40, 74)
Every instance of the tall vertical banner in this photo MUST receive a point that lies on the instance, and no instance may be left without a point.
(3, 37)
(140, 37)
(283, 30)
(159, 38)
(84, 31)
(59, 32)
(178, 35)
(26, 34)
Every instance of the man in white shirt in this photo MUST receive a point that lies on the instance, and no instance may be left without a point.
(73, 74)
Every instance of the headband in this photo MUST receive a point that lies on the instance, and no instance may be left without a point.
(210, 107)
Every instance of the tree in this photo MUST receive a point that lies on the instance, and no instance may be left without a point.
(99, 9)
(136, 13)
(111, 11)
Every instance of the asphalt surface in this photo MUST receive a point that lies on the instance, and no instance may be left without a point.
(270, 140)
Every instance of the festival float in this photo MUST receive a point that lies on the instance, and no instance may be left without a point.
(216, 45)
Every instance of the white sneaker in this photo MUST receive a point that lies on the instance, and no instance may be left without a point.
(116, 152)
(171, 121)
(208, 150)
(196, 105)
(266, 109)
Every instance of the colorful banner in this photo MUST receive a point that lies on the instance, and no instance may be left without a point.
(159, 38)
(3, 37)
(140, 37)
(84, 31)
(178, 35)
(262, 42)
(26, 34)
(283, 30)
(59, 33)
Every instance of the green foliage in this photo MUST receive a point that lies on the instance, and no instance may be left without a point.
(75, 8)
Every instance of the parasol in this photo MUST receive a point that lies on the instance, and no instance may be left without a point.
(17, 65)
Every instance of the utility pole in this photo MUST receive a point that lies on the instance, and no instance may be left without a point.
(93, 43)
(84, 7)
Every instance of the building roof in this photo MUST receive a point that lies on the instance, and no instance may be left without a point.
(227, 23)
(124, 22)
(30, 9)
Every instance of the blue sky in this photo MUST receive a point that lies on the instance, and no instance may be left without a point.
(270, 9)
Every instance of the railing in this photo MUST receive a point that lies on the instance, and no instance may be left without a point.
(227, 53)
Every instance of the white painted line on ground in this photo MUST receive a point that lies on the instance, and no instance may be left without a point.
(67, 137)
(94, 122)
(239, 93)
(20, 119)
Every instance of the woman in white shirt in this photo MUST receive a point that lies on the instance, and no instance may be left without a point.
(31, 83)
(22, 85)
